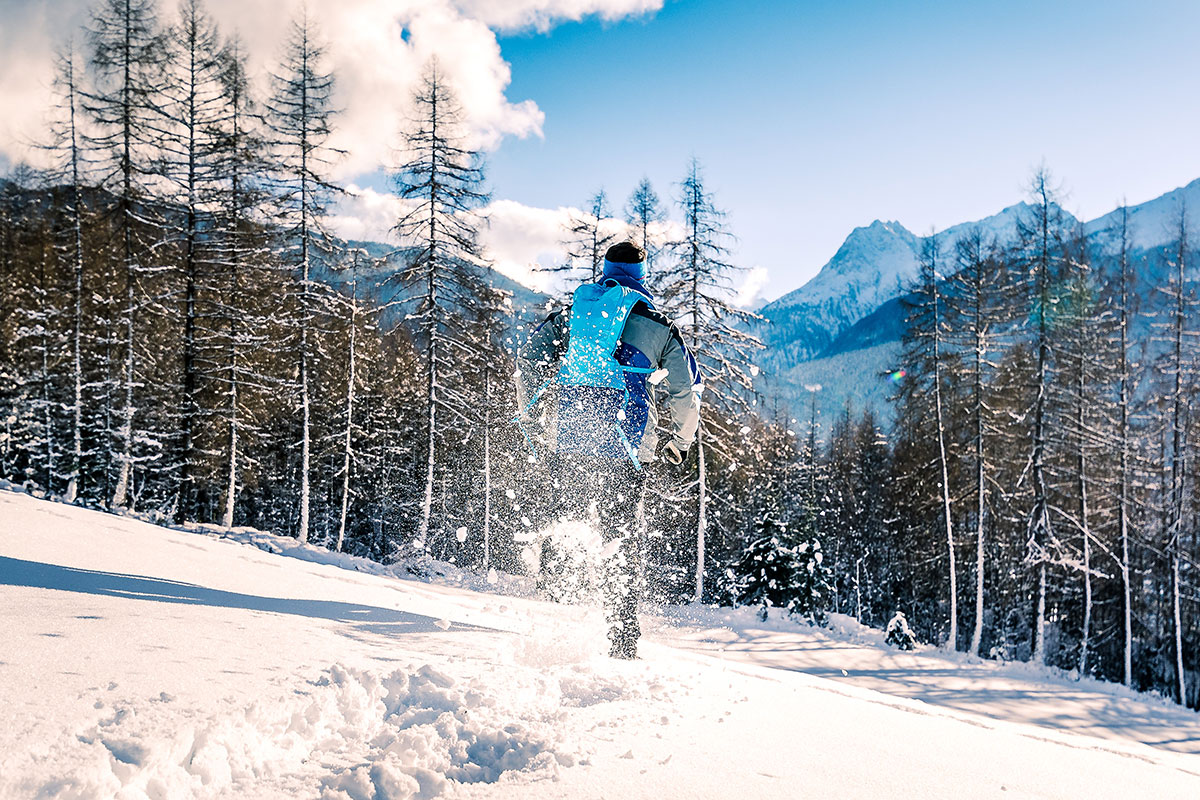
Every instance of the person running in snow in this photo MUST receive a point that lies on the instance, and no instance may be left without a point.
(602, 356)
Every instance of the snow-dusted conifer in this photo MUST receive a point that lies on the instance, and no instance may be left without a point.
(196, 162)
(1076, 318)
(1177, 363)
(643, 214)
(1125, 291)
(899, 634)
(696, 287)
(440, 179)
(768, 570)
(586, 241)
(243, 265)
(300, 116)
(126, 68)
(973, 297)
(1040, 253)
(925, 387)
(350, 430)
(69, 172)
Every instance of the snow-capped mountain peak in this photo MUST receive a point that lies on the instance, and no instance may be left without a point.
(880, 244)
(873, 264)
(876, 263)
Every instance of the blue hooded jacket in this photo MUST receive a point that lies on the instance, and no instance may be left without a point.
(589, 421)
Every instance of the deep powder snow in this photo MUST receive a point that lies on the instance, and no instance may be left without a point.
(142, 662)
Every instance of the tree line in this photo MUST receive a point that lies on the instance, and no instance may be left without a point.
(183, 338)
(1034, 498)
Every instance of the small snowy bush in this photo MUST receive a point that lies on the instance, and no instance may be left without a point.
(766, 573)
(899, 635)
(779, 569)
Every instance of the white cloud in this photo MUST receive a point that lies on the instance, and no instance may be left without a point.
(751, 289)
(365, 215)
(520, 239)
(517, 238)
(375, 47)
(27, 45)
(542, 14)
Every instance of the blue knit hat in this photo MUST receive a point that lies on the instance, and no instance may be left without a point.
(625, 260)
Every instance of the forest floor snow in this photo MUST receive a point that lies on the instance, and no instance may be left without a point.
(848, 652)
(143, 662)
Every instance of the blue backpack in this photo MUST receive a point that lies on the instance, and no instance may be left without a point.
(595, 416)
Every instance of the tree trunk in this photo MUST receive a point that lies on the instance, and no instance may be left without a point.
(487, 466)
(349, 414)
(431, 308)
(231, 482)
(952, 638)
(1175, 535)
(120, 496)
(980, 469)
(190, 405)
(702, 514)
(1040, 515)
(1123, 496)
(305, 306)
(47, 415)
(1087, 570)
(77, 332)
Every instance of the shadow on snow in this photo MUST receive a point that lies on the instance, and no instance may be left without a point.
(373, 619)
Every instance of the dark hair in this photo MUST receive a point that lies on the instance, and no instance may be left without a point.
(625, 253)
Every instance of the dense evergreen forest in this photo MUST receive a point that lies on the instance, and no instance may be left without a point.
(169, 346)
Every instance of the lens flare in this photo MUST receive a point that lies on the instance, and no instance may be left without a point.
(898, 375)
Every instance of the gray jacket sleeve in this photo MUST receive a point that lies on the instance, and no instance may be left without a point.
(683, 389)
(537, 359)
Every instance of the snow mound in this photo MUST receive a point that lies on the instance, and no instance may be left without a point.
(402, 735)
(430, 733)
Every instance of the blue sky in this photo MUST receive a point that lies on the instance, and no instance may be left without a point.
(811, 118)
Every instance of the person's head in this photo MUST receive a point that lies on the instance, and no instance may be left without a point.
(625, 260)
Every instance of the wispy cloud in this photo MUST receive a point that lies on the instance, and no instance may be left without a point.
(544, 14)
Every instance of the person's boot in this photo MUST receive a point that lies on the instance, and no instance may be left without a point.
(624, 636)
(623, 649)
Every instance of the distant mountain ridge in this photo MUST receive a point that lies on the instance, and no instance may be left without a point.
(875, 264)
(849, 318)
(377, 283)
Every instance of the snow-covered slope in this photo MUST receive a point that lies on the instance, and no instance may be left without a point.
(855, 377)
(140, 662)
(1001, 228)
(1151, 224)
